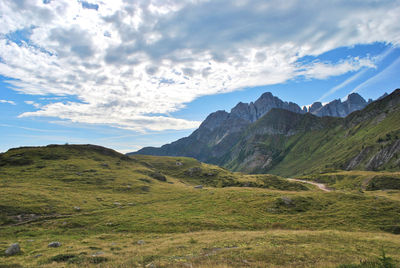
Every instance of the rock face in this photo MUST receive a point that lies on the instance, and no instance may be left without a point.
(337, 108)
(14, 249)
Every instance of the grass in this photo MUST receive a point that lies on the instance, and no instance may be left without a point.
(264, 222)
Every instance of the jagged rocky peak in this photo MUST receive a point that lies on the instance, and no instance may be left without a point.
(253, 111)
(355, 98)
(338, 108)
(315, 107)
(214, 120)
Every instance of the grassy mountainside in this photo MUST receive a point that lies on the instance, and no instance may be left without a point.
(115, 211)
(289, 144)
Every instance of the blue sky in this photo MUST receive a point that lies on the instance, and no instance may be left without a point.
(127, 74)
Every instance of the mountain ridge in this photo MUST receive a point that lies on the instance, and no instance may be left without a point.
(221, 129)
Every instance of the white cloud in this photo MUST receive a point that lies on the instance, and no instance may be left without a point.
(7, 101)
(34, 104)
(130, 64)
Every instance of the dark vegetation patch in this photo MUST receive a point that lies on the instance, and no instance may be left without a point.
(274, 182)
(97, 259)
(63, 258)
(383, 183)
(296, 204)
(15, 160)
(157, 176)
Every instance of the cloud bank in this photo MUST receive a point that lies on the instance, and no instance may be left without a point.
(132, 63)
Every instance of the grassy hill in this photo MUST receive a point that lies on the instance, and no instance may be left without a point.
(110, 210)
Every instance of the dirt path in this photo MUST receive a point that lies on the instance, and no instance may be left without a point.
(321, 186)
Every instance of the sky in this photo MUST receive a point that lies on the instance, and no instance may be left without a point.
(128, 74)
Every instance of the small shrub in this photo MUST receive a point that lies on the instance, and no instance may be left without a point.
(62, 258)
(97, 259)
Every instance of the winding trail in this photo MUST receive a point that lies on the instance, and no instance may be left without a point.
(321, 186)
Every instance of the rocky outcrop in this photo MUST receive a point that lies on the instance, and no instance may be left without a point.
(337, 108)
(384, 156)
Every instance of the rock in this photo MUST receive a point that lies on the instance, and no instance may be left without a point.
(141, 242)
(13, 250)
(198, 187)
(38, 255)
(98, 253)
(54, 245)
(77, 208)
(117, 203)
(178, 163)
(151, 265)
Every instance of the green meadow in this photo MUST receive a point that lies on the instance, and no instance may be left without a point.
(110, 210)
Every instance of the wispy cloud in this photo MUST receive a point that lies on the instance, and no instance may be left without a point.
(8, 101)
(376, 60)
(384, 74)
(126, 61)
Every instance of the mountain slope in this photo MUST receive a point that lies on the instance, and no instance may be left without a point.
(110, 210)
(365, 140)
(291, 143)
(221, 130)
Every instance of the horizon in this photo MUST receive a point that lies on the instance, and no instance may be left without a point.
(128, 75)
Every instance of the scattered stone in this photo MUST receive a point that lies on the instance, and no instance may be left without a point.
(98, 253)
(30, 240)
(198, 187)
(130, 204)
(77, 208)
(64, 223)
(13, 250)
(117, 203)
(38, 255)
(54, 244)
(151, 265)
(178, 163)
(141, 242)
(109, 223)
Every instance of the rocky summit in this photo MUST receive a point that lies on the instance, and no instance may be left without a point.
(337, 108)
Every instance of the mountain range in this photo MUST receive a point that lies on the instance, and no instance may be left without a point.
(279, 137)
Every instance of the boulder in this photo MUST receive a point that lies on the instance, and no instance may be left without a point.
(14, 249)
(54, 244)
